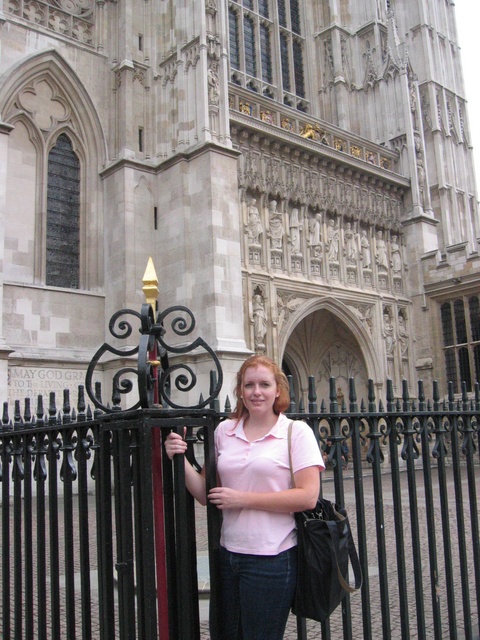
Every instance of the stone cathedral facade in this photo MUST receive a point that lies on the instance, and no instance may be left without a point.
(301, 174)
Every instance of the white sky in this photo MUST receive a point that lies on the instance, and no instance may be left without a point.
(468, 22)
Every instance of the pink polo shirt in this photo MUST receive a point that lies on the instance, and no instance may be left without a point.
(261, 465)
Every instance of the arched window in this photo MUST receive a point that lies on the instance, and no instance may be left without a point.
(461, 341)
(53, 202)
(298, 69)
(460, 325)
(447, 324)
(63, 216)
(284, 51)
(266, 53)
(282, 13)
(234, 39)
(295, 16)
(474, 317)
(258, 28)
(249, 44)
(263, 8)
(464, 366)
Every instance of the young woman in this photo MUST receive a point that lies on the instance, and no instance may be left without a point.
(258, 538)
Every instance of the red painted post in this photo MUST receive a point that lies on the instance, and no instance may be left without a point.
(159, 516)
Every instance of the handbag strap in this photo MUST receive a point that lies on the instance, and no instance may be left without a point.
(352, 551)
(353, 556)
(290, 425)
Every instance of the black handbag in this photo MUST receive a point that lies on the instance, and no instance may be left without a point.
(325, 545)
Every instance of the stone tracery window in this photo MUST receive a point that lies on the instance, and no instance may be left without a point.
(461, 340)
(234, 39)
(298, 69)
(249, 44)
(282, 13)
(295, 16)
(284, 51)
(50, 201)
(263, 8)
(266, 53)
(258, 29)
(63, 216)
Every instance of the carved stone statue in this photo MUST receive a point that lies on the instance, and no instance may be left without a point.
(314, 241)
(388, 334)
(421, 178)
(295, 228)
(259, 321)
(396, 256)
(254, 226)
(275, 231)
(413, 104)
(402, 335)
(381, 257)
(332, 241)
(350, 247)
(366, 256)
(213, 84)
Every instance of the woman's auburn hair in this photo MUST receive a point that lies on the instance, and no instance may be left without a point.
(282, 402)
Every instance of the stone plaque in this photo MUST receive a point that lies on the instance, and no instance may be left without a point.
(29, 382)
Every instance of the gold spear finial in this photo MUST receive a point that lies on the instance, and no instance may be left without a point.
(150, 284)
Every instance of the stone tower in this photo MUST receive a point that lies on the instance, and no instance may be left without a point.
(300, 173)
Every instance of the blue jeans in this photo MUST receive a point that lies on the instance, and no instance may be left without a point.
(256, 593)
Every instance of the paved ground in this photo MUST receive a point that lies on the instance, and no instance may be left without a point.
(314, 629)
(336, 627)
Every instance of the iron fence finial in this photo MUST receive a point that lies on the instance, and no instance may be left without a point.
(150, 284)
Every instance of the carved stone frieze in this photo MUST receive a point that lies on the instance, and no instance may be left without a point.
(80, 8)
(336, 225)
(191, 54)
(140, 75)
(346, 66)
(371, 73)
(293, 178)
(71, 18)
(329, 70)
(168, 70)
(340, 362)
(287, 303)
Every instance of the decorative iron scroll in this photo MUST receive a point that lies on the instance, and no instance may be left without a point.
(154, 371)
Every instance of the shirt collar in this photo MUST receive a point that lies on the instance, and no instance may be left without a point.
(277, 431)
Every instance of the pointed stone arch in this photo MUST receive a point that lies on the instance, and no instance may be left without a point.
(44, 92)
(77, 143)
(67, 89)
(327, 337)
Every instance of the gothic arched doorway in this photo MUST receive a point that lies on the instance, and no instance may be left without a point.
(323, 346)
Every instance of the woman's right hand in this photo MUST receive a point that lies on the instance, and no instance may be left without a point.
(174, 444)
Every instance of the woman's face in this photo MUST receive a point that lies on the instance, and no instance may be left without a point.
(259, 390)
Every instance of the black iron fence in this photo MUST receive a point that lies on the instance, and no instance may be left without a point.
(100, 539)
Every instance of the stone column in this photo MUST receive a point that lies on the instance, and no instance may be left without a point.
(198, 260)
(5, 350)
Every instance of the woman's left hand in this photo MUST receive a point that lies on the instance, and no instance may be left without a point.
(225, 498)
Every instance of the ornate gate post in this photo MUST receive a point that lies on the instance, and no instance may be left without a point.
(156, 374)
